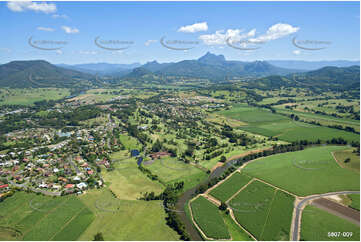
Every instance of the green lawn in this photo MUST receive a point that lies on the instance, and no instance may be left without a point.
(310, 171)
(38, 217)
(170, 170)
(117, 219)
(209, 219)
(128, 182)
(316, 225)
(229, 187)
(354, 162)
(129, 142)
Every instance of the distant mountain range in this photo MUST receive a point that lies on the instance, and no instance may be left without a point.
(40, 73)
(213, 67)
(312, 65)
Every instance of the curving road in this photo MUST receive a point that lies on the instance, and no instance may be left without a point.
(296, 219)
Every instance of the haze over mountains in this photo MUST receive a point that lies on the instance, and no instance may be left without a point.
(39, 73)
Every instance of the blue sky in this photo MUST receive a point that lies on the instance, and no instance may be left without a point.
(201, 26)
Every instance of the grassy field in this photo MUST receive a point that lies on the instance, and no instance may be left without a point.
(29, 95)
(171, 170)
(129, 142)
(354, 162)
(128, 182)
(224, 191)
(38, 217)
(237, 233)
(311, 171)
(209, 219)
(252, 205)
(120, 219)
(317, 223)
(278, 222)
(355, 201)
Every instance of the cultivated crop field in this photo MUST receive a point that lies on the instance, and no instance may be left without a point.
(229, 187)
(36, 217)
(317, 223)
(353, 163)
(209, 219)
(312, 170)
(258, 206)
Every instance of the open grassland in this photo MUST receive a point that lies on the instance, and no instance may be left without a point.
(355, 201)
(311, 171)
(170, 170)
(29, 95)
(209, 219)
(120, 219)
(128, 182)
(37, 217)
(316, 225)
(229, 187)
(252, 205)
(343, 155)
(279, 219)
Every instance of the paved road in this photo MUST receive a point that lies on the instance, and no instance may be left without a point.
(296, 222)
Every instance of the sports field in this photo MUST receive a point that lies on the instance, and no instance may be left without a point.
(316, 225)
(311, 171)
(170, 170)
(128, 182)
(209, 219)
(35, 217)
(120, 219)
(129, 142)
(229, 187)
(258, 206)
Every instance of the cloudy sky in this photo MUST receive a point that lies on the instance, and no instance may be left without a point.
(123, 32)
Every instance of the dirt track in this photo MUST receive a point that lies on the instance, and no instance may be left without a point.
(335, 208)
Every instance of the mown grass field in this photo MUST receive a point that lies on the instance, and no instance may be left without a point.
(129, 142)
(209, 219)
(229, 187)
(170, 170)
(120, 219)
(316, 223)
(311, 171)
(38, 217)
(128, 182)
(28, 96)
(251, 207)
(354, 162)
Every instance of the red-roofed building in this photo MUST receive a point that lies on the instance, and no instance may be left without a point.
(69, 185)
(90, 172)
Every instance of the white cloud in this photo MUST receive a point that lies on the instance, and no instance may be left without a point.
(197, 27)
(70, 30)
(220, 36)
(275, 32)
(85, 52)
(64, 16)
(296, 52)
(45, 29)
(20, 6)
(59, 52)
(149, 42)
